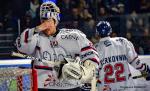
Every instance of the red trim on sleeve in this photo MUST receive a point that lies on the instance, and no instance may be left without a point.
(94, 60)
(87, 48)
(140, 67)
(98, 81)
(43, 67)
(26, 37)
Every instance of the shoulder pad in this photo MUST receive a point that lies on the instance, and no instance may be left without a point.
(121, 39)
(72, 32)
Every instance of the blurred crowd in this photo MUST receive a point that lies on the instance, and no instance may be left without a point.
(129, 18)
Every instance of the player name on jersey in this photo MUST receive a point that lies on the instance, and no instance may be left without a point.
(113, 59)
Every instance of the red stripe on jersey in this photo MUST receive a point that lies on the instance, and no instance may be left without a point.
(98, 81)
(87, 48)
(141, 66)
(94, 60)
(26, 37)
(43, 67)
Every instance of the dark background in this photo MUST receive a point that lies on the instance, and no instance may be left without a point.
(129, 18)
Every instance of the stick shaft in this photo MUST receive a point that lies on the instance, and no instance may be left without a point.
(33, 58)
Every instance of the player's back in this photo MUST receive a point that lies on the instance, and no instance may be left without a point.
(111, 46)
(115, 71)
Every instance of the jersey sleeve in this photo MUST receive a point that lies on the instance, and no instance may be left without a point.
(131, 53)
(75, 42)
(134, 59)
(27, 41)
(88, 51)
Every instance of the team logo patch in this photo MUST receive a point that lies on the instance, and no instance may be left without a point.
(70, 37)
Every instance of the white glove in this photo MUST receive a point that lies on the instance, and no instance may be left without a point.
(72, 70)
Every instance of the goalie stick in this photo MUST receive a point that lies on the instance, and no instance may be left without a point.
(16, 54)
(56, 65)
(93, 82)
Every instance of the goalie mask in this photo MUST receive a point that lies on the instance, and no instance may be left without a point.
(49, 10)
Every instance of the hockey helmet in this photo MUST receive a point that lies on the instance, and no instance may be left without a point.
(49, 10)
(103, 28)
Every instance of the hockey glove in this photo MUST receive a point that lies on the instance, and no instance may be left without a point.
(74, 70)
(71, 70)
(146, 73)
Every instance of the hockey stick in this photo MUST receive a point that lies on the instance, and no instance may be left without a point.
(33, 58)
(136, 77)
(56, 65)
(140, 76)
(15, 54)
(94, 81)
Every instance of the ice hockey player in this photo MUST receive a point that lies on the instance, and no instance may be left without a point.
(47, 42)
(115, 56)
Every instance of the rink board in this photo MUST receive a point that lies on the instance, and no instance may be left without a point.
(145, 84)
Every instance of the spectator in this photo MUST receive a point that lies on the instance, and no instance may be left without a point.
(1, 27)
(114, 34)
(20, 7)
(34, 5)
(65, 8)
(138, 49)
(121, 9)
(75, 14)
(75, 24)
(88, 28)
(146, 41)
(145, 6)
(112, 6)
(1, 23)
(26, 22)
(10, 22)
(102, 11)
(85, 14)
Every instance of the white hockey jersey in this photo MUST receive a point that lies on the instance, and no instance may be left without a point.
(66, 43)
(115, 56)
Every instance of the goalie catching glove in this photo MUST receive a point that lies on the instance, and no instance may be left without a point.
(74, 70)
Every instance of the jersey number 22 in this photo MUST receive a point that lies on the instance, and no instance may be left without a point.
(115, 70)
